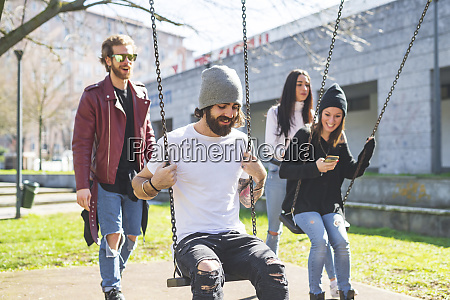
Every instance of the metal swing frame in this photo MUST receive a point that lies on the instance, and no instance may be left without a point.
(181, 280)
(287, 218)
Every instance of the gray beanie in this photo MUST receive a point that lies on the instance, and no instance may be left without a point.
(334, 97)
(220, 84)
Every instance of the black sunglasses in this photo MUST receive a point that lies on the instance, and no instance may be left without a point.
(121, 57)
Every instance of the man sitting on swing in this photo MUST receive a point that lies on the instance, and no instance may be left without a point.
(207, 190)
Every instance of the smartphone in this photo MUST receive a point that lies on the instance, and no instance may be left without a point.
(331, 158)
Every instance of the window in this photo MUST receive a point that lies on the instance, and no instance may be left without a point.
(359, 103)
(360, 95)
(445, 92)
(445, 83)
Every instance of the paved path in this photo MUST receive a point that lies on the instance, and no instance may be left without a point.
(148, 281)
(43, 204)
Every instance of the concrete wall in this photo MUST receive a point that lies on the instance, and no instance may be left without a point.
(425, 222)
(370, 47)
(406, 191)
(420, 205)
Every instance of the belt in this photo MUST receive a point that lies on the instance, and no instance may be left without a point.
(93, 212)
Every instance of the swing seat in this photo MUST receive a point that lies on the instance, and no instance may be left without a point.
(288, 221)
(185, 281)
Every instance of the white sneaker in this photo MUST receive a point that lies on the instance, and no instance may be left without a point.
(334, 289)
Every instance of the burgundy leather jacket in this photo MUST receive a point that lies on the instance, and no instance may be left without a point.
(99, 131)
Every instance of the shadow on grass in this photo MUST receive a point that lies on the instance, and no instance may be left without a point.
(400, 235)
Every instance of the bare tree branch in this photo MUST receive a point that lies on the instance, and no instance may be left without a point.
(55, 7)
(23, 12)
(15, 36)
(2, 5)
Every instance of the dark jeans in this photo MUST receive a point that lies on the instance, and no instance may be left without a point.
(241, 255)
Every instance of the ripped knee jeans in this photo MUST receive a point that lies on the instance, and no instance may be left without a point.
(117, 214)
(240, 255)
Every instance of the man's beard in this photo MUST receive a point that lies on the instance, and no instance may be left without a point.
(213, 123)
(119, 74)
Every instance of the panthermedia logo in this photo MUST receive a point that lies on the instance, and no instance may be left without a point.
(192, 150)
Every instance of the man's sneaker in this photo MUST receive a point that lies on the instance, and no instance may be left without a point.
(114, 295)
(334, 289)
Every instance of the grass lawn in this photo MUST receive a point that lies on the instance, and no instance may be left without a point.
(410, 264)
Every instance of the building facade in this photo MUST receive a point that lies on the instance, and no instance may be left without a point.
(371, 42)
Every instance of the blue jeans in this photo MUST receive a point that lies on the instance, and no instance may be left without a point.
(242, 255)
(329, 263)
(116, 214)
(322, 231)
(275, 192)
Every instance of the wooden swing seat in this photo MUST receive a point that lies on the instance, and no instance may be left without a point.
(185, 281)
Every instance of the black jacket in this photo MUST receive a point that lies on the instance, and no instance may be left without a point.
(318, 192)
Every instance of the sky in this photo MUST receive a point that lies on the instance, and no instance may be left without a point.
(218, 23)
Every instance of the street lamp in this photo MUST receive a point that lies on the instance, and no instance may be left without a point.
(19, 54)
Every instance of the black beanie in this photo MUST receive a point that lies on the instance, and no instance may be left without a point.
(334, 97)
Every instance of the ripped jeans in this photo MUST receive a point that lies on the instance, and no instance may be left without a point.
(241, 255)
(116, 214)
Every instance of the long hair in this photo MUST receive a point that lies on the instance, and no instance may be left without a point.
(334, 136)
(287, 101)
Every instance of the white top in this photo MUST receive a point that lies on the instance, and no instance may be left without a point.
(277, 144)
(208, 171)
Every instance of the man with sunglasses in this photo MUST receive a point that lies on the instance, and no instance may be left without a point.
(112, 139)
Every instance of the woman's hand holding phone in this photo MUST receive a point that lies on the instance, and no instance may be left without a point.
(327, 164)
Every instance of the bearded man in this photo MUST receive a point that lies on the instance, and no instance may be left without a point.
(112, 139)
(207, 192)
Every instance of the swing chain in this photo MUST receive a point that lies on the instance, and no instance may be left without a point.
(163, 119)
(405, 57)
(247, 104)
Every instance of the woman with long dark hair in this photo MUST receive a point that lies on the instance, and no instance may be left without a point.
(291, 113)
(319, 210)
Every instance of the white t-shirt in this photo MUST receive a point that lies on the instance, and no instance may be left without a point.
(277, 144)
(208, 170)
